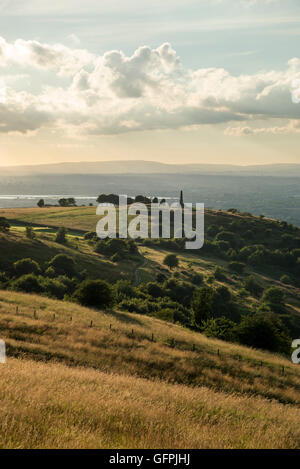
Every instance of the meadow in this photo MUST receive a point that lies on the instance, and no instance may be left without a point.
(54, 406)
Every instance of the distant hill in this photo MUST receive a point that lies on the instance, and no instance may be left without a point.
(152, 167)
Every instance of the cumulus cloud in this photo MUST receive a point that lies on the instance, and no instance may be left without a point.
(114, 93)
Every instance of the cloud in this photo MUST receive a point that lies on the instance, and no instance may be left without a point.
(55, 57)
(241, 131)
(114, 93)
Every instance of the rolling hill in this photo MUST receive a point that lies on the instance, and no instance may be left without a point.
(67, 384)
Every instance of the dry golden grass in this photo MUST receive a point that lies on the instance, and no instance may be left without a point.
(117, 350)
(53, 406)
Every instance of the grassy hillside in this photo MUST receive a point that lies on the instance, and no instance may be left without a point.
(15, 246)
(122, 343)
(123, 390)
(52, 406)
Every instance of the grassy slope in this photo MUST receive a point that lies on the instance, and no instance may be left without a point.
(16, 246)
(116, 349)
(52, 406)
(133, 392)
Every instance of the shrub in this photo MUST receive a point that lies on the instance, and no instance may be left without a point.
(61, 235)
(30, 234)
(220, 328)
(28, 283)
(202, 304)
(286, 279)
(166, 314)
(153, 289)
(63, 265)
(274, 298)
(219, 274)
(94, 293)
(54, 288)
(264, 331)
(237, 267)
(197, 279)
(252, 286)
(26, 266)
(123, 289)
(171, 261)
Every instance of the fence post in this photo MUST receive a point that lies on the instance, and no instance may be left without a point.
(152, 337)
(110, 326)
(283, 370)
(218, 352)
(34, 314)
(53, 316)
(71, 318)
(91, 325)
(17, 309)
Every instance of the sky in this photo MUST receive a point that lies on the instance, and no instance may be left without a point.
(199, 81)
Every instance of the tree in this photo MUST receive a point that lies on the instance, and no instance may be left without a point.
(63, 265)
(202, 304)
(61, 235)
(94, 293)
(30, 234)
(41, 203)
(4, 225)
(171, 260)
(26, 266)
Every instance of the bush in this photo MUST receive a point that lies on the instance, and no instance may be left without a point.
(30, 234)
(153, 289)
(220, 328)
(28, 283)
(263, 331)
(286, 279)
(274, 298)
(123, 289)
(53, 288)
(202, 305)
(94, 293)
(61, 235)
(63, 265)
(171, 261)
(252, 286)
(166, 314)
(219, 274)
(237, 267)
(26, 266)
(197, 279)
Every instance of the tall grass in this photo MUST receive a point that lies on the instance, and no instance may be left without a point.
(121, 343)
(53, 406)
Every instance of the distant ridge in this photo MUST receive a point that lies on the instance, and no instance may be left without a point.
(152, 167)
